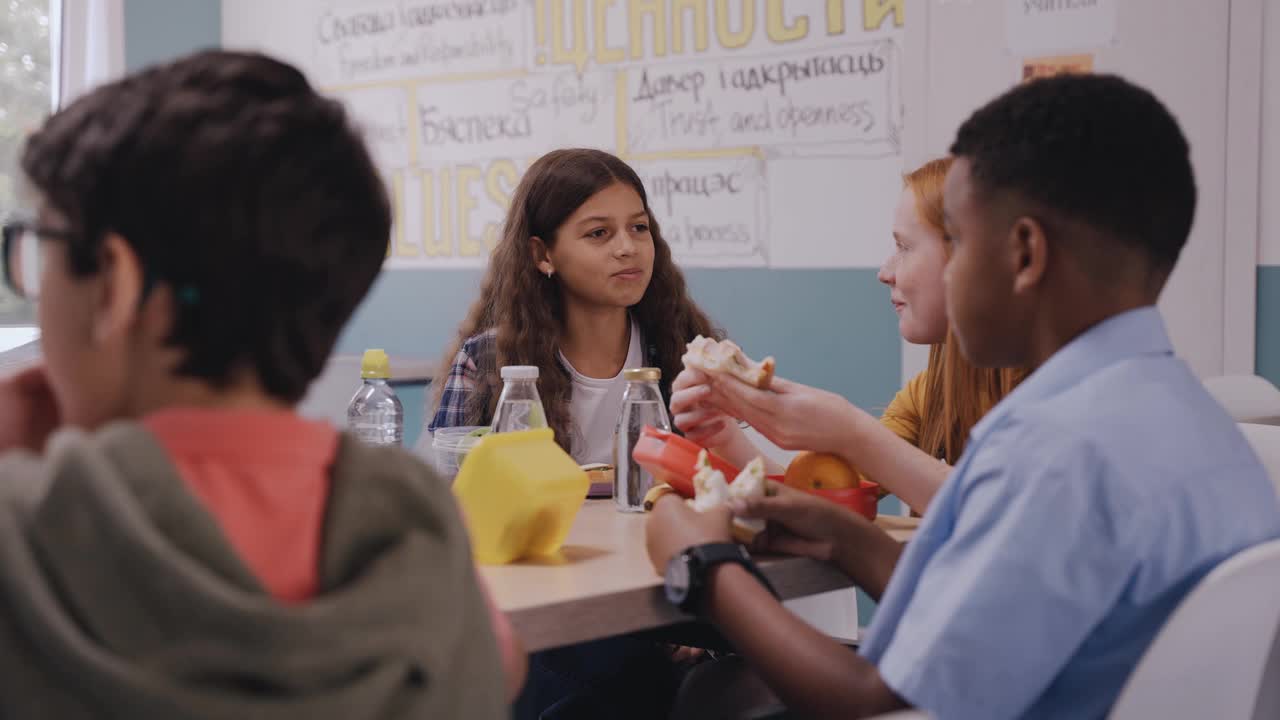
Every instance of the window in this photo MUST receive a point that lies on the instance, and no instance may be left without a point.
(29, 51)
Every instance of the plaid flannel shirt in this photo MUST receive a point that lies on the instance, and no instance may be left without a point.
(457, 406)
(460, 384)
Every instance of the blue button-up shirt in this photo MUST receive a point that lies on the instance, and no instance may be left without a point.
(1087, 504)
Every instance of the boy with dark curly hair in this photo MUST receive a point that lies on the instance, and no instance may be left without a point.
(1087, 503)
(185, 545)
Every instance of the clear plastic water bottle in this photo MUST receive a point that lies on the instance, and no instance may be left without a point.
(519, 405)
(642, 405)
(375, 414)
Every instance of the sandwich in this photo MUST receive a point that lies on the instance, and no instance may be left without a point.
(726, 358)
(711, 490)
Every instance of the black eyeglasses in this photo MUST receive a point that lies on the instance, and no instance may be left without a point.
(23, 257)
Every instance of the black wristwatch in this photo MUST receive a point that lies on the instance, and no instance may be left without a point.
(686, 576)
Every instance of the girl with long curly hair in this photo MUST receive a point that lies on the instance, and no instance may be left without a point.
(581, 286)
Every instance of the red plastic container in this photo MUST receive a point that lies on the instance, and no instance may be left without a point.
(671, 459)
(862, 500)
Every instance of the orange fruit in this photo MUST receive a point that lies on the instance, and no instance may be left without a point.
(820, 471)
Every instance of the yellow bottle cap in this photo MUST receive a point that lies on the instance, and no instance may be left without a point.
(375, 365)
(642, 374)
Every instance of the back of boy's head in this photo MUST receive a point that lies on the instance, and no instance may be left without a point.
(1096, 149)
(237, 185)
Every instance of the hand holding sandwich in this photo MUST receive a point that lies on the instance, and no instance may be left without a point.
(799, 523)
(708, 426)
(721, 385)
(673, 527)
(791, 415)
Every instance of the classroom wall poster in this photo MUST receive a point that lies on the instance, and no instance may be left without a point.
(703, 97)
(1038, 27)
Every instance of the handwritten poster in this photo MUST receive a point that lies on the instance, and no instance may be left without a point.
(516, 116)
(711, 210)
(707, 99)
(385, 116)
(841, 94)
(361, 42)
(1034, 27)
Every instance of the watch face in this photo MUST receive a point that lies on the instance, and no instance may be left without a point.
(677, 579)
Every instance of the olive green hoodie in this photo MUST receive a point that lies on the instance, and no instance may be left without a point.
(121, 597)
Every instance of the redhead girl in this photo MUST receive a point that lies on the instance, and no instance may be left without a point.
(929, 419)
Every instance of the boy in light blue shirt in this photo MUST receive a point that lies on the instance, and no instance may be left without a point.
(1087, 504)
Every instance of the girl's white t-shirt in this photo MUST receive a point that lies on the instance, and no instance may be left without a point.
(594, 405)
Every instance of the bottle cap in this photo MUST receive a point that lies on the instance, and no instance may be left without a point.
(642, 375)
(520, 372)
(375, 365)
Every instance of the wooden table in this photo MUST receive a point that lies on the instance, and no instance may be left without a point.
(602, 583)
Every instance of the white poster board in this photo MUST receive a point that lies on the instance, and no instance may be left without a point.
(728, 109)
(1035, 27)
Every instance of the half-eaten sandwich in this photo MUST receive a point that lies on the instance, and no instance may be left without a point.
(725, 357)
(712, 490)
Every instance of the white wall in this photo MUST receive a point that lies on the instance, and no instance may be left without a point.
(1186, 52)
